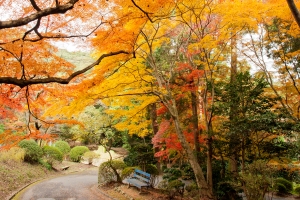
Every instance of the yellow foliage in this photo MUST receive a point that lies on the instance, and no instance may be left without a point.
(15, 153)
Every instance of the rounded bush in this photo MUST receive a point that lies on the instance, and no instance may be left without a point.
(288, 185)
(33, 152)
(126, 172)
(297, 190)
(90, 155)
(281, 188)
(107, 174)
(52, 153)
(77, 152)
(151, 169)
(63, 146)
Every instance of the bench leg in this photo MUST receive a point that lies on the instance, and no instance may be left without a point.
(128, 185)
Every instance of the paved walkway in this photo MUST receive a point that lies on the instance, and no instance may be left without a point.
(78, 186)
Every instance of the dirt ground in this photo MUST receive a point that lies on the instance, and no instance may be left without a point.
(122, 192)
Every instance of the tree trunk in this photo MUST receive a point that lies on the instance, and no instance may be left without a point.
(153, 116)
(205, 191)
(232, 161)
(209, 163)
(195, 124)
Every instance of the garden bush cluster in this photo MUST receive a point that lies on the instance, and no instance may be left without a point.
(77, 152)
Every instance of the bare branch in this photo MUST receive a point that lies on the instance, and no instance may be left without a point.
(60, 9)
(294, 11)
(33, 3)
(146, 13)
(25, 82)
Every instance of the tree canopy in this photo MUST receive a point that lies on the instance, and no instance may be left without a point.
(202, 76)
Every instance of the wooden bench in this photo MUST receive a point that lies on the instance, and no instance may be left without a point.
(64, 168)
(139, 179)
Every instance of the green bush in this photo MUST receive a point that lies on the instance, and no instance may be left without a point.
(297, 190)
(172, 188)
(126, 172)
(287, 184)
(110, 171)
(52, 153)
(33, 152)
(89, 156)
(45, 164)
(63, 146)
(77, 152)
(151, 169)
(281, 188)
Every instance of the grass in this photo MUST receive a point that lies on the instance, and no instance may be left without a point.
(15, 175)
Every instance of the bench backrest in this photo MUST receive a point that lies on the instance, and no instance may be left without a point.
(141, 175)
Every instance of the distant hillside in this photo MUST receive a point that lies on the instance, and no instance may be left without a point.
(79, 59)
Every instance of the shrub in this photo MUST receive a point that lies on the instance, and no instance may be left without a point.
(288, 185)
(281, 188)
(126, 172)
(77, 152)
(63, 146)
(45, 164)
(89, 156)
(192, 189)
(110, 171)
(52, 153)
(297, 190)
(15, 153)
(151, 169)
(172, 188)
(33, 152)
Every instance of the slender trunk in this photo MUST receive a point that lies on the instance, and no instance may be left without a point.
(153, 115)
(243, 154)
(195, 124)
(233, 112)
(209, 164)
(205, 191)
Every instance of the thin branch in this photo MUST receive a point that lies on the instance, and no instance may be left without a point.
(34, 5)
(25, 82)
(60, 9)
(146, 13)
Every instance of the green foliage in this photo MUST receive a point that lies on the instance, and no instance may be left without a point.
(45, 164)
(281, 188)
(297, 190)
(257, 179)
(126, 172)
(51, 154)
(33, 152)
(89, 156)
(140, 153)
(63, 146)
(16, 154)
(172, 188)
(110, 171)
(151, 169)
(287, 184)
(1, 128)
(77, 152)
(172, 173)
(172, 184)
(66, 133)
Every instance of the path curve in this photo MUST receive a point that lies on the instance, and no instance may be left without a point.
(77, 186)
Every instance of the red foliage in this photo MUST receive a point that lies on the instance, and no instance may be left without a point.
(162, 110)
